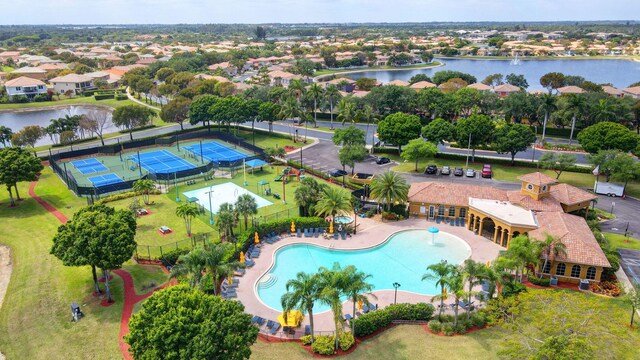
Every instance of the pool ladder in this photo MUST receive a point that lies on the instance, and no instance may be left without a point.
(267, 281)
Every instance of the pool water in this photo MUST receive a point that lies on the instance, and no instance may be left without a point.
(403, 258)
(343, 219)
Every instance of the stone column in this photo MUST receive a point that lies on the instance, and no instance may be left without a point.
(470, 225)
(503, 236)
(480, 230)
(495, 234)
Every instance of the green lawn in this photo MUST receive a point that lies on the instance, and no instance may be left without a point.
(146, 277)
(620, 241)
(266, 141)
(6, 69)
(88, 100)
(508, 173)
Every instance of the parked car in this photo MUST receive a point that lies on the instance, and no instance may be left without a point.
(445, 170)
(431, 169)
(337, 173)
(486, 171)
(458, 172)
(383, 160)
(471, 173)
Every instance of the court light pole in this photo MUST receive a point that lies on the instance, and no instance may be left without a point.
(175, 182)
(210, 206)
(395, 295)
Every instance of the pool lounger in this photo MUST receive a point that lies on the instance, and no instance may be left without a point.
(274, 329)
(228, 296)
(255, 319)
(316, 232)
(260, 320)
(348, 317)
(335, 235)
(342, 235)
(228, 286)
(307, 329)
(298, 232)
(270, 324)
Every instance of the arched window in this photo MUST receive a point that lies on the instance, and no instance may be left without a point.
(547, 268)
(560, 269)
(575, 271)
(591, 273)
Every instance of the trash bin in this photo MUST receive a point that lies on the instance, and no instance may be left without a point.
(584, 284)
(553, 281)
(76, 313)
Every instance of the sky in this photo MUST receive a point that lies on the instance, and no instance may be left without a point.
(309, 11)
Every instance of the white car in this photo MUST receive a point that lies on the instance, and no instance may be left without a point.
(471, 173)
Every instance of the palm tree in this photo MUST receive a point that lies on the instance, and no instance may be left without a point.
(501, 272)
(302, 293)
(346, 111)
(576, 105)
(389, 188)
(219, 263)
(187, 211)
(246, 205)
(548, 105)
(604, 110)
(333, 201)
(316, 93)
(191, 264)
(441, 273)
(5, 135)
(333, 284)
(473, 273)
(551, 246)
(368, 115)
(227, 220)
(455, 284)
(144, 187)
(358, 289)
(524, 252)
(332, 93)
(296, 87)
(290, 109)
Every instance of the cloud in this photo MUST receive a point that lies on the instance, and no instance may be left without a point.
(269, 11)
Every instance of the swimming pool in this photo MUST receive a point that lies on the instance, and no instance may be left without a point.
(402, 258)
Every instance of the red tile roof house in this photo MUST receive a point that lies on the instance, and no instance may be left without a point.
(25, 86)
(506, 89)
(542, 207)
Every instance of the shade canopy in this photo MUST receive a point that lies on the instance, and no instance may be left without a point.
(294, 318)
(255, 163)
(263, 182)
(433, 230)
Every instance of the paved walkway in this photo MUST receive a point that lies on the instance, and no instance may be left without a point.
(132, 98)
(370, 233)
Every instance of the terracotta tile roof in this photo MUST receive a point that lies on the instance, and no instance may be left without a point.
(29, 70)
(570, 90)
(398, 83)
(423, 85)
(479, 86)
(23, 81)
(544, 204)
(71, 78)
(632, 90)
(537, 178)
(570, 195)
(506, 88)
(573, 231)
(611, 90)
(452, 194)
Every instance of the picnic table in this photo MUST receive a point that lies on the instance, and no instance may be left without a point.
(165, 229)
(142, 211)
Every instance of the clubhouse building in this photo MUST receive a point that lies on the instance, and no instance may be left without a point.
(541, 207)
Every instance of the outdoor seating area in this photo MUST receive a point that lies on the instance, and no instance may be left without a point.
(229, 288)
(458, 221)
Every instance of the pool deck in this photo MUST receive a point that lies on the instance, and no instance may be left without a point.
(370, 233)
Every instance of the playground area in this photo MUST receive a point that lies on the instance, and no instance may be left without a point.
(107, 173)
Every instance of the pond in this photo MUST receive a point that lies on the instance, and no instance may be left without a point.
(17, 120)
(619, 73)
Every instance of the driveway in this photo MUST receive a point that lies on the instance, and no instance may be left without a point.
(627, 212)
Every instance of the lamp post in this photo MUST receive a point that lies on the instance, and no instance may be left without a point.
(284, 190)
(468, 151)
(533, 156)
(175, 182)
(613, 204)
(210, 206)
(395, 295)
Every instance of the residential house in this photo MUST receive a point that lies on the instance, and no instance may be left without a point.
(422, 85)
(343, 84)
(634, 92)
(72, 83)
(479, 87)
(283, 78)
(32, 72)
(226, 67)
(398, 83)
(506, 90)
(611, 91)
(540, 207)
(570, 90)
(3, 77)
(6, 55)
(26, 86)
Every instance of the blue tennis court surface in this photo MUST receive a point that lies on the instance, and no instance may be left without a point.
(213, 151)
(161, 162)
(89, 166)
(106, 179)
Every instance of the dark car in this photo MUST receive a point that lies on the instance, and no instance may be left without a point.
(445, 170)
(486, 171)
(383, 160)
(431, 169)
(458, 172)
(337, 173)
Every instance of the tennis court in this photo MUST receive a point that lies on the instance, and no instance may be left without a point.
(89, 166)
(105, 180)
(161, 162)
(214, 152)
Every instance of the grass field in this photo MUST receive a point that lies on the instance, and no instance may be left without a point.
(508, 173)
(266, 141)
(35, 320)
(620, 241)
(6, 69)
(88, 100)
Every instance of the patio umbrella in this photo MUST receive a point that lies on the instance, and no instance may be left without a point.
(444, 293)
(241, 257)
(359, 304)
(256, 238)
(331, 227)
(488, 263)
(293, 227)
(292, 318)
(433, 230)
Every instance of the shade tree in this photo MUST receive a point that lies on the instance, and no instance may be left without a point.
(17, 165)
(398, 129)
(131, 116)
(418, 149)
(474, 131)
(512, 139)
(607, 136)
(558, 162)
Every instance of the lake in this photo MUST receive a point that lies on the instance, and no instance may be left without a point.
(17, 120)
(620, 73)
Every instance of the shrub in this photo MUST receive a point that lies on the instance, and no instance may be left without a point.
(390, 216)
(324, 345)
(375, 320)
(171, 257)
(400, 210)
(448, 329)
(346, 341)
(125, 195)
(513, 288)
(460, 328)
(103, 96)
(465, 322)
(478, 319)
(606, 288)
(120, 96)
(539, 281)
(206, 285)
(435, 326)
(306, 340)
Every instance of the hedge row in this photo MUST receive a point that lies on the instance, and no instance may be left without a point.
(557, 132)
(103, 96)
(325, 176)
(375, 320)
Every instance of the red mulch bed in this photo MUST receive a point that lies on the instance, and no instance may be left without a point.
(561, 285)
(150, 262)
(289, 149)
(166, 233)
(105, 303)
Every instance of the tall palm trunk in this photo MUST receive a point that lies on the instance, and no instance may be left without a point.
(331, 114)
(310, 311)
(455, 312)
(544, 125)
(573, 126)
(441, 302)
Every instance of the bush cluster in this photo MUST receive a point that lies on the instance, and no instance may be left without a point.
(324, 345)
(103, 96)
(446, 327)
(346, 340)
(513, 288)
(305, 340)
(390, 216)
(171, 257)
(125, 195)
(375, 320)
(539, 281)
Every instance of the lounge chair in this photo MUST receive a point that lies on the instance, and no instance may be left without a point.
(365, 308)
(451, 223)
(306, 232)
(274, 329)
(249, 262)
(256, 319)
(348, 317)
(317, 232)
(457, 222)
(335, 235)
(270, 324)
(322, 231)
(229, 296)
(307, 329)
(238, 273)
(342, 235)
(230, 286)
(299, 234)
(461, 221)
(437, 219)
